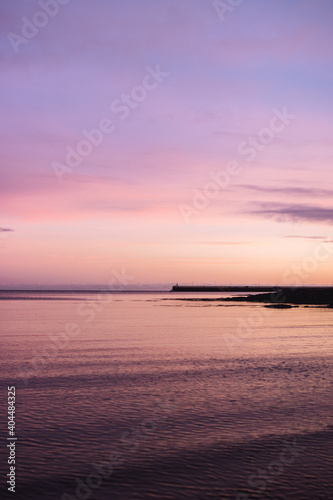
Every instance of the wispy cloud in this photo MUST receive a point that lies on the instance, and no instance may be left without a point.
(303, 237)
(284, 212)
(289, 190)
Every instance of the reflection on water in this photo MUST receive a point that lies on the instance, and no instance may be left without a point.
(185, 400)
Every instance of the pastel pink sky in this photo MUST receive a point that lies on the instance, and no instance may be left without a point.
(140, 200)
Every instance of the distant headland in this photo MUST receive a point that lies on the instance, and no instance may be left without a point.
(272, 296)
(222, 288)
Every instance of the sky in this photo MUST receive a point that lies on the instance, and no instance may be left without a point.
(156, 142)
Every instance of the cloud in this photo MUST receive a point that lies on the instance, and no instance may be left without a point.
(295, 213)
(289, 190)
(301, 237)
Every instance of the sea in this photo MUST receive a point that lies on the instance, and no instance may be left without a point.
(160, 395)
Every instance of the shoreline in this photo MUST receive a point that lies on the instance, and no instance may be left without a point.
(279, 297)
(285, 296)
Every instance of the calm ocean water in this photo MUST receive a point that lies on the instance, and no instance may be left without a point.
(147, 396)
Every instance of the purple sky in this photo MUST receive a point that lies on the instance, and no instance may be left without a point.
(213, 162)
